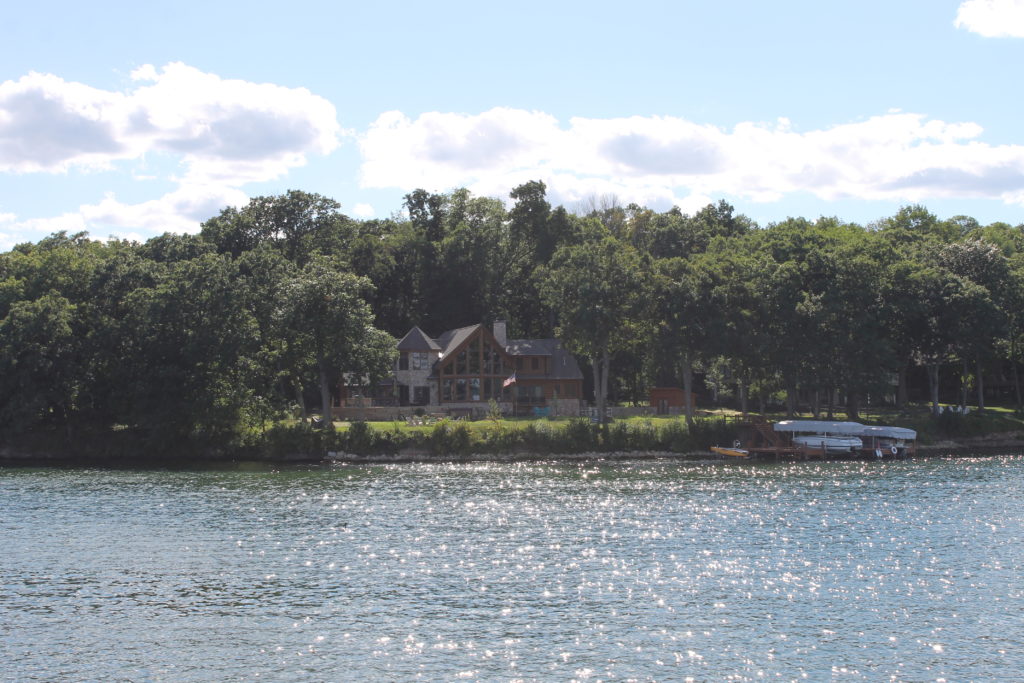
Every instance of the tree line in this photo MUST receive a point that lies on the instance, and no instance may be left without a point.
(210, 336)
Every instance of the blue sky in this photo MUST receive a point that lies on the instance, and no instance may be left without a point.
(132, 119)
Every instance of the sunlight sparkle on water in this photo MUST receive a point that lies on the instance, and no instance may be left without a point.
(651, 570)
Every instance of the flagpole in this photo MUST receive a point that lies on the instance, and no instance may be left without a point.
(507, 383)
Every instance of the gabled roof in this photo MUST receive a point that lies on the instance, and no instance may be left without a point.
(564, 365)
(453, 338)
(532, 347)
(417, 340)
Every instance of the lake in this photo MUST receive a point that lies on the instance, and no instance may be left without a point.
(644, 570)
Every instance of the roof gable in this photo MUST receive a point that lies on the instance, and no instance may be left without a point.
(532, 347)
(562, 364)
(417, 340)
(453, 339)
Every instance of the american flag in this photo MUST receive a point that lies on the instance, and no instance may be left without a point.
(511, 380)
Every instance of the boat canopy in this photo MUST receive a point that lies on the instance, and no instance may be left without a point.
(890, 433)
(820, 427)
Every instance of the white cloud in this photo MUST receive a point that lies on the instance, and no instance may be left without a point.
(364, 211)
(445, 148)
(224, 133)
(230, 131)
(16, 232)
(992, 18)
(224, 130)
(660, 161)
(46, 124)
(180, 211)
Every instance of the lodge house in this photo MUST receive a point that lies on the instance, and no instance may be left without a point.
(463, 369)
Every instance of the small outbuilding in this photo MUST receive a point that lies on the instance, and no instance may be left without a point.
(668, 400)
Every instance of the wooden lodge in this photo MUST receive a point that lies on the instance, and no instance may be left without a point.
(460, 371)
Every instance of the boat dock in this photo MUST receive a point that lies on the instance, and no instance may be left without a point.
(818, 440)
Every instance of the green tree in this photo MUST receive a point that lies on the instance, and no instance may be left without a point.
(327, 315)
(982, 263)
(190, 347)
(595, 288)
(299, 224)
(684, 317)
(40, 364)
(1013, 306)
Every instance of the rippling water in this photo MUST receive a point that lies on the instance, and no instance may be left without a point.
(907, 570)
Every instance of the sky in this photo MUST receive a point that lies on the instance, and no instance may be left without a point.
(135, 119)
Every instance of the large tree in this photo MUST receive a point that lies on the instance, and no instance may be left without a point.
(595, 289)
(326, 314)
(299, 224)
(683, 317)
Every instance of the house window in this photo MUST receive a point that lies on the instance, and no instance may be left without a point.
(421, 396)
(530, 394)
(419, 360)
(403, 361)
(535, 363)
(475, 373)
(519, 363)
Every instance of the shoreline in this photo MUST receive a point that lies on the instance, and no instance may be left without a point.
(987, 445)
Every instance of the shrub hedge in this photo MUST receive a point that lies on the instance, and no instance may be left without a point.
(447, 438)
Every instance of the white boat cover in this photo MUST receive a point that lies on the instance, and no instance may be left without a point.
(890, 433)
(820, 427)
(832, 444)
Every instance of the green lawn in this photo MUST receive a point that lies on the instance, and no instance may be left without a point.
(993, 420)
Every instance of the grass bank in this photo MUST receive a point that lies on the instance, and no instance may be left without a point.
(293, 441)
(494, 437)
(567, 436)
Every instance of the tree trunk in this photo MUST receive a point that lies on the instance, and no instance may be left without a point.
(816, 406)
(688, 389)
(853, 406)
(963, 385)
(933, 386)
(595, 363)
(741, 388)
(300, 399)
(980, 380)
(901, 389)
(605, 363)
(790, 401)
(1016, 384)
(325, 394)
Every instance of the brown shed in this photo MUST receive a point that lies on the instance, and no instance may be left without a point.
(668, 400)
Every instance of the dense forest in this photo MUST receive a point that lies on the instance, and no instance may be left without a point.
(204, 337)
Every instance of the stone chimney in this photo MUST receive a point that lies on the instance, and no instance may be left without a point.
(501, 332)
